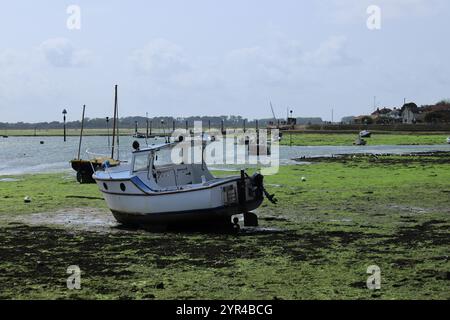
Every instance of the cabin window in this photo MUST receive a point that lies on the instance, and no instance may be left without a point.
(163, 158)
(141, 162)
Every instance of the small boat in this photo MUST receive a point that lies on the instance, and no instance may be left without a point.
(5, 137)
(360, 141)
(86, 168)
(448, 140)
(153, 191)
(365, 134)
(139, 135)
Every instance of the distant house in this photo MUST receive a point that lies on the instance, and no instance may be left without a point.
(409, 113)
(382, 111)
(386, 116)
(347, 120)
(362, 120)
(408, 116)
(395, 115)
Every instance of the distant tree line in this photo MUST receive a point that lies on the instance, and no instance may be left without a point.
(156, 122)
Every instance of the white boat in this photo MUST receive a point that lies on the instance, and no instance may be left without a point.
(365, 134)
(360, 141)
(448, 140)
(153, 190)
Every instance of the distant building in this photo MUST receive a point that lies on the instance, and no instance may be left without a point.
(408, 116)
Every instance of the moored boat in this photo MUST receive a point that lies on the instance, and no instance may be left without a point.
(86, 168)
(153, 190)
(365, 134)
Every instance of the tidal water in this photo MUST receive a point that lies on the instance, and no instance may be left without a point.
(20, 155)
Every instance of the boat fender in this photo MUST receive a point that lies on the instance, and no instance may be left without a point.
(106, 164)
(136, 145)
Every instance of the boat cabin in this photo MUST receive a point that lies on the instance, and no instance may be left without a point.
(154, 166)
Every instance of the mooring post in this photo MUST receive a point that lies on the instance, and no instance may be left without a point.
(257, 138)
(64, 112)
(107, 131)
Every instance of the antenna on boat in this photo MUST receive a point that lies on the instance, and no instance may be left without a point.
(81, 132)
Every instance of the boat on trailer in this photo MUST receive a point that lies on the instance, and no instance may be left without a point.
(152, 190)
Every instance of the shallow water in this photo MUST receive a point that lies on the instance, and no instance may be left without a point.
(20, 155)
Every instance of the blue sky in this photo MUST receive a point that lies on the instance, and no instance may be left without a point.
(202, 57)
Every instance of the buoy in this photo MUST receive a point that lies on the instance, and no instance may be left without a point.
(27, 199)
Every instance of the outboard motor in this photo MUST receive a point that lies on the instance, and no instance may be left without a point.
(258, 181)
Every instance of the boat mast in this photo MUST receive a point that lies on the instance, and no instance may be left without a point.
(114, 124)
(81, 132)
(117, 111)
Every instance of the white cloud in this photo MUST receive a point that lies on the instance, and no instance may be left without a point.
(60, 52)
(331, 52)
(281, 62)
(160, 59)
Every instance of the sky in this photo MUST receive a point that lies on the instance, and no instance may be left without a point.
(209, 57)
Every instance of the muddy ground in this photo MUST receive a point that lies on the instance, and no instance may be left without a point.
(317, 243)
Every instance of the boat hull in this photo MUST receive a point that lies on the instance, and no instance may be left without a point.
(138, 205)
(220, 215)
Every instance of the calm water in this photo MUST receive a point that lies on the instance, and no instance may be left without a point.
(20, 155)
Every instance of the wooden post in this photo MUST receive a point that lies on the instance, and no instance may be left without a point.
(244, 125)
(107, 130)
(81, 132)
(64, 120)
(257, 138)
